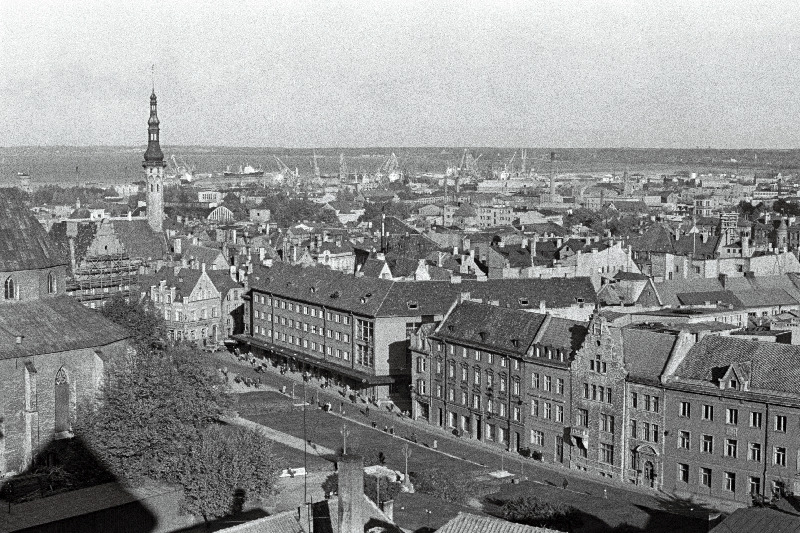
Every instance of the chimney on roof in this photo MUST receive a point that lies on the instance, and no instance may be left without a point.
(267, 262)
(351, 494)
(18, 339)
(534, 240)
(542, 306)
(723, 279)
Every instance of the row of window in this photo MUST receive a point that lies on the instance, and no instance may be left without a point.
(192, 316)
(305, 343)
(597, 393)
(705, 475)
(647, 403)
(546, 383)
(478, 355)
(731, 448)
(548, 410)
(11, 287)
(732, 416)
(494, 407)
(644, 431)
(305, 326)
(303, 309)
(502, 380)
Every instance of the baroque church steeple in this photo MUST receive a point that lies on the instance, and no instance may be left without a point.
(153, 165)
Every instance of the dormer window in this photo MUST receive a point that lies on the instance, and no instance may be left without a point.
(484, 335)
(733, 384)
(413, 305)
(523, 301)
(515, 343)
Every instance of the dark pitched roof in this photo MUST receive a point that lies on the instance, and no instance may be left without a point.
(491, 327)
(646, 352)
(775, 367)
(657, 238)
(563, 333)
(24, 243)
(379, 297)
(471, 523)
(758, 519)
(140, 240)
(222, 280)
(203, 254)
(53, 325)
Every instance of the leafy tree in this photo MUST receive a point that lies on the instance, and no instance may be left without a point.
(151, 409)
(141, 319)
(455, 487)
(532, 511)
(227, 466)
(786, 208)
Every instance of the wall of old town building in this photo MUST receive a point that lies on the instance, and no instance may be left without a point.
(28, 397)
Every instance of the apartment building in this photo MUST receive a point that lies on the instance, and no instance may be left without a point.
(497, 375)
(355, 330)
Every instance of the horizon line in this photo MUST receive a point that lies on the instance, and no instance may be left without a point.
(401, 147)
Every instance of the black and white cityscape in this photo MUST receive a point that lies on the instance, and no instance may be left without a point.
(354, 267)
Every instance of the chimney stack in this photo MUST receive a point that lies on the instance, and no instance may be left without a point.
(351, 494)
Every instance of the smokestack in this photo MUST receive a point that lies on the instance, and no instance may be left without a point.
(351, 494)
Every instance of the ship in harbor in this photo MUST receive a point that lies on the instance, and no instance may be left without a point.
(245, 171)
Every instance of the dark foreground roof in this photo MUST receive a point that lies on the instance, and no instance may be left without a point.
(24, 244)
(53, 325)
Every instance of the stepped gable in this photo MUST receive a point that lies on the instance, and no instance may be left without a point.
(24, 243)
(490, 327)
(52, 326)
(775, 367)
(184, 281)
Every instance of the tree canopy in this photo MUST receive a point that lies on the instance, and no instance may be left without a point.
(140, 318)
(454, 487)
(227, 466)
(151, 409)
(532, 511)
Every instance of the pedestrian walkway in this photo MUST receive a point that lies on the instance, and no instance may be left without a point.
(282, 438)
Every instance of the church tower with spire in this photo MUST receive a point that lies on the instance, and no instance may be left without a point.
(154, 171)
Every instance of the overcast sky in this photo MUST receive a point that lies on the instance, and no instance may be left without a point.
(262, 73)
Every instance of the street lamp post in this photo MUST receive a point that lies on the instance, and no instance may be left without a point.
(406, 450)
(345, 433)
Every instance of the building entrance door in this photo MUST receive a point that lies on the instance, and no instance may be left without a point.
(648, 474)
(560, 449)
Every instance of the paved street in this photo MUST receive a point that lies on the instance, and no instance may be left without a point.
(281, 413)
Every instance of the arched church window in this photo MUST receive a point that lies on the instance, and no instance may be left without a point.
(11, 290)
(62, 402)
(52, 283)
